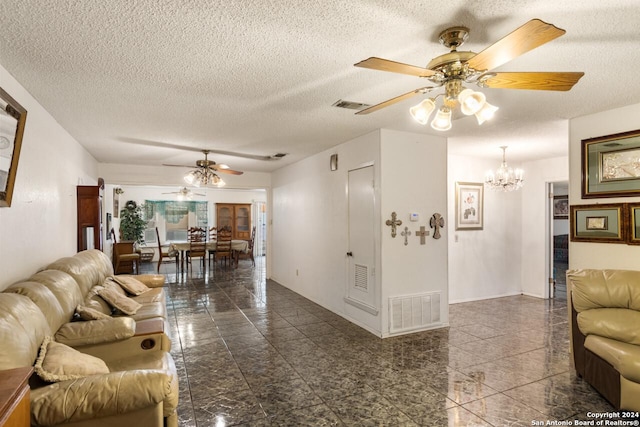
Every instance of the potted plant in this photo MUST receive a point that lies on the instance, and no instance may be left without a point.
(132, 224)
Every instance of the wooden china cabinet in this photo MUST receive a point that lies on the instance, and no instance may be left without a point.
(237, 216)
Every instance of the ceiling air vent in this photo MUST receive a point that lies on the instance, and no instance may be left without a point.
(340, 103)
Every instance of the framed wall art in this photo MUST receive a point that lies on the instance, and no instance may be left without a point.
(611, 165)
(634, 223)
(469, 205)
(604, 223)
(12, 119)
(561, 207)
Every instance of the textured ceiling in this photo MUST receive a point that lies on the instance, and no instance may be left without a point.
(260, 77)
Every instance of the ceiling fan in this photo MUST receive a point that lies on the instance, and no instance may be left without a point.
(453, 69)
(206, 172)
(160, 144)
(185, 194)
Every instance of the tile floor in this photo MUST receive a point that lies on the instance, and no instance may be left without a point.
(250, 352)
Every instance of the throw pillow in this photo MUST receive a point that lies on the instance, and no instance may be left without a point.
(58, 362)
(130, 284)
(117, 301)
(88, 313)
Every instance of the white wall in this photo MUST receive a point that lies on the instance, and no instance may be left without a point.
(600, 255)
(40, 225)
(310, 240)
(484, 263)
(536, 221)
(414, 172)
(310, 229)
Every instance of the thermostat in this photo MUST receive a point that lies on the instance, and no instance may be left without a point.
(414, 217)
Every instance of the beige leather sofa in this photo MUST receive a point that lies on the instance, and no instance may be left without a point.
(605, 332)
(139, 385)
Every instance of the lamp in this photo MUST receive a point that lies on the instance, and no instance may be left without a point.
(203, 176)
(505, 178)
(471, 102)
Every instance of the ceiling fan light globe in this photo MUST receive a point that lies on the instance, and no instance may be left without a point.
(471, 101)
(442, 120)
(486, 113)
(189, 178)
(422, 111)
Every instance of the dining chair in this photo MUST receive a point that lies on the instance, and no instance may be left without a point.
(196, 234)
(162, 253)
(249, 252)
(123, 254)
(213, 236)
(223, 246)
(197, 250)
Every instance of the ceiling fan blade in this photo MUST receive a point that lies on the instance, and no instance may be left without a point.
(532, 81)
(229, 171)
(179, 166)
(200, 150)
(394, 67)
(394, 100)
(525, 38)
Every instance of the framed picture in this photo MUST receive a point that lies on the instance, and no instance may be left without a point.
(634, 223)
(561, 207)
(611, 165)
(109, 225)
(604, 223)
(116, 201)
(469, 205)
(12, 119)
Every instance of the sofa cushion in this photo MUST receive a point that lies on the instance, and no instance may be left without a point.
(46, 301)
(131, 285)
(77, 334)
(88, 313)
(625, 358)
(94, 301)
(58, 362)
(84, 273)
(620, 324)
(604, 289)
(64, 287)
(153, 295)
(22, 329)
(119, 302)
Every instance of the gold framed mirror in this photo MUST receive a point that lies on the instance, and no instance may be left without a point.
(12, 119)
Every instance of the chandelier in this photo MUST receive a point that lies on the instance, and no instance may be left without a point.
(471, 103)
(505, 178)
(203, 176)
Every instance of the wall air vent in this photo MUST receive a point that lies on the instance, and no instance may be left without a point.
(414, 312)
(350, 105)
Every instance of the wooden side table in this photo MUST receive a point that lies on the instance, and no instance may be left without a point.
(15, 407)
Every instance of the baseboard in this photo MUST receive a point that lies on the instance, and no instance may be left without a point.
(458, 301)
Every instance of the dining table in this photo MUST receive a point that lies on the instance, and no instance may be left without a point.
(237, 246)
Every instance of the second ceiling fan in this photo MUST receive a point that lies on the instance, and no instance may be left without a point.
(206, 171)
(453, 69)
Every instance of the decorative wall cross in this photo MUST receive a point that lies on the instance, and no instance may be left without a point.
(393, 223)
(406, 233)
(436, 222)
(422, 234)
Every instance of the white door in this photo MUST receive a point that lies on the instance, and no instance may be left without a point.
(361, 253)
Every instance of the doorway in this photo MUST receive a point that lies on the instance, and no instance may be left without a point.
(559, 238)
(361, 290)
